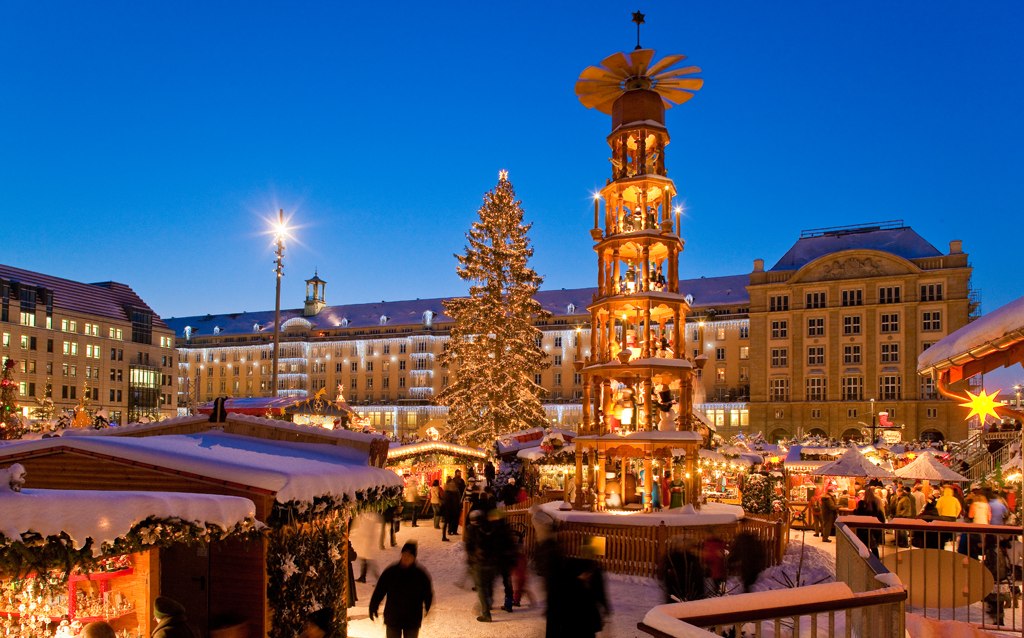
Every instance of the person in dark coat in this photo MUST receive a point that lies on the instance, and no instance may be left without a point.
(489, 472)
(587, 600)
(682, 575)
(869, 506)
(829, 509)
(391, 518)
(409, 594)
(549, 561)
(747, 559)
(352, 598)
(451, 507)
(172, 621)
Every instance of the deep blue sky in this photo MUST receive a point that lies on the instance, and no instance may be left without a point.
(144, 142)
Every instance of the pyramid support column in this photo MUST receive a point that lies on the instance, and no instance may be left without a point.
(600, 481)
(578, 480)
(648, 482)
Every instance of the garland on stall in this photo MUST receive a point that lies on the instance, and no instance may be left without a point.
(307, 571)
(375, 499)
(58, 556)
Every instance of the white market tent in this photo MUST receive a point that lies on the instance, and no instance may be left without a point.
(853, 464)
(927, 467)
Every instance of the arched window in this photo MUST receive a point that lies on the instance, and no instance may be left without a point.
(932, 435)
(778, 434)
(817, 432)
(852, 434)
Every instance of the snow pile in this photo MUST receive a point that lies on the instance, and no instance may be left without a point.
(107, 516)
(293, 471)
(921, 627)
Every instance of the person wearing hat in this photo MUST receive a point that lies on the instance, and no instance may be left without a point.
(171, 619)
(409, 594)
(319, 624)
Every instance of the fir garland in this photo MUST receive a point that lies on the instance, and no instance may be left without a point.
(57, 554)
(376, 498)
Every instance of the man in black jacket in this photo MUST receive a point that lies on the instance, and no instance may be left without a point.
(407, 587)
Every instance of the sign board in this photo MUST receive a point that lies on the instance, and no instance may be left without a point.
(892, 436)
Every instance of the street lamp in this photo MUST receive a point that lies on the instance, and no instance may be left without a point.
(874, 418)
(280, 230)
(1016, 391)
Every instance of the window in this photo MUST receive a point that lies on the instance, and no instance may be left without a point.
(815, 414)
(851, 325)
(780, 414)
(853, 297)
(421, 346)
(558, 378)
(889, 387)
(745, 332)
(778, 389)
(890, 353)
(719, 354)
(720, 374)
(744, 373)
(577, 378)
(931, 320)
(816, 299)
(890, 322)
(852, 388)
(931, 413)
(719, 334)
(369, 366)
(928, 391)
(780, 329)
(28, 318)
(354, 366)
(401, 382)
(851, 354)
(815, 388)
(7, 340)
(537, 379)
(354, 383)
(557, 360)
(386, 348)
(816, 327)
(739, 417)
(851, 413)
(816, 356)
(116, 333)
(780, 357)
(888, 294)
(778, 303)
(744, 352)
(539, 341)
(558, 342)
(931, 292)
(369, 383)
(401, 348)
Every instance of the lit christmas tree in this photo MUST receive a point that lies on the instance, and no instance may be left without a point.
(493, 351)
(11, 425)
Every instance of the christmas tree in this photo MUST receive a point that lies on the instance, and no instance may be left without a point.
(493, 351)
(11, 425)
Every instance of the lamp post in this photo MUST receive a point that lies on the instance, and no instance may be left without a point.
(874, 419)
(280, 231)
(1016, 391)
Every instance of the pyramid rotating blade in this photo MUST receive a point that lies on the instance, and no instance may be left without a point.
(639, 61)
(686, 70)
(597, 73)
(689, 84)
(664, 63)
(617, 63)
(672, 97)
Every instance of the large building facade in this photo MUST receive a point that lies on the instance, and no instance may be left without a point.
(100, 344)
(802, 347)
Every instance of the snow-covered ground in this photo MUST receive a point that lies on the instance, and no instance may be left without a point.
(454, 612)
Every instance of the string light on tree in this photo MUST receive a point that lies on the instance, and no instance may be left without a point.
(11, 425)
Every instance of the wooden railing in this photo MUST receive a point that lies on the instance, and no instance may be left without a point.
(866, 601)
(639, 550)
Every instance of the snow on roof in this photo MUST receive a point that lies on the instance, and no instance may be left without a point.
(852, 463)
(706, 291)
(107, 516)
(354, 455)
(107, 299)
(397, 451)
(529, 438)
(995, 331)
(927, 467)
(292, 471)
(902, 241)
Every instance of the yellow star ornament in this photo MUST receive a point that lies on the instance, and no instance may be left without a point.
(982, 405)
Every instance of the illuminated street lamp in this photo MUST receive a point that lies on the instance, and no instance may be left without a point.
(874, 419)
(280, 230)
(1016, 391)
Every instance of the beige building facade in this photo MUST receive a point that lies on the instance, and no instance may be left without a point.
(98, 343)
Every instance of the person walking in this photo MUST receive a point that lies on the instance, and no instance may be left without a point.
(829, 509)
(409, 594)
(435, 495)
(364, 532)
(391, 518)
(870, 506)
(452, 507)
(905, 508)
(172, 622)
(412, 499)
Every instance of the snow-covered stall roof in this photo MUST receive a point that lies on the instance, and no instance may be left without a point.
(354, 446)
(107, 516)
(515, 441)
(538, 454)
(292, 471)
(852, 463)
(397, 451)
(927, 467)
(997, 331)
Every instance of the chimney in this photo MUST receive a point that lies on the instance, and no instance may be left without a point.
(758, 265)
(956, 247)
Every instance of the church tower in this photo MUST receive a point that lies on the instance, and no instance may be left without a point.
(637, 378)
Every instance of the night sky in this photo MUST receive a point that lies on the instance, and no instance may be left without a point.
(147, 142)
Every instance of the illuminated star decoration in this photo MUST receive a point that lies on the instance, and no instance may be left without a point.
(502, 175)
(639, 19)
(982, 405)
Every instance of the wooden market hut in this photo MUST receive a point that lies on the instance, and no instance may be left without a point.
(304, 482)
(108, 539)
(426, 461)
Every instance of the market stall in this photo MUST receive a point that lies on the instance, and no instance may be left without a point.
(722, 475)
(304, 492)
(424, 462)
(70, 557)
